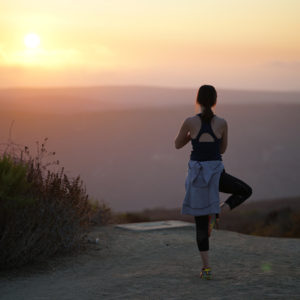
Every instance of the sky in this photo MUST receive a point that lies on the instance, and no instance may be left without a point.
(236, 44)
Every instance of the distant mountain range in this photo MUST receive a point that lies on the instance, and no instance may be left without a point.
(70, 100)
(121, 139)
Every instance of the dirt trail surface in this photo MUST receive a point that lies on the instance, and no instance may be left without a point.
(164, 264)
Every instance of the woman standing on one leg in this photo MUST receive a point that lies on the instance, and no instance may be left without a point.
(208, 134)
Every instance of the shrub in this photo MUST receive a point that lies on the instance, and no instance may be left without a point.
(282, 222)
(101, 213)
(43, 212)
(129, 217)
(14, 187)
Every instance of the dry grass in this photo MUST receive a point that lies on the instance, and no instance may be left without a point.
(43, 212)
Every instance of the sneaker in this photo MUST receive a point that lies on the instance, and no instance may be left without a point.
(206, 273)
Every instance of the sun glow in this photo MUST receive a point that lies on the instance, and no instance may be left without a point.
(32, 40)
(247, 44)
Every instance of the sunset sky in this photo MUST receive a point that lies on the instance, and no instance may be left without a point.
(238, 44)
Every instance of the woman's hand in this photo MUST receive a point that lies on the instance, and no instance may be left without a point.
(184, 135)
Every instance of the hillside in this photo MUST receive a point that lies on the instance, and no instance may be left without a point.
(276, 218)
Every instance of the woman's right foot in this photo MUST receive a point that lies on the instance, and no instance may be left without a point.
(206, 273)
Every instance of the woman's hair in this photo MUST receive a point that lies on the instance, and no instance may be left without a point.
(207, 97)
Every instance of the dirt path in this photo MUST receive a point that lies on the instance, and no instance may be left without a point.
(165, 264)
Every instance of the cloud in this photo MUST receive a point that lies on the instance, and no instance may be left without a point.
(279, 64)
(41, 57)
(38, 76)
(91, 56)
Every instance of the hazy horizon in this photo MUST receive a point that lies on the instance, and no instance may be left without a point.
(101, 98)
(155, 86)
(123, 148)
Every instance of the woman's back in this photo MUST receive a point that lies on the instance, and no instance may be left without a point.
(217, 124)
(206, 137)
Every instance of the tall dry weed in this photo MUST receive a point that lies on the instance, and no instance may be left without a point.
(42, 211)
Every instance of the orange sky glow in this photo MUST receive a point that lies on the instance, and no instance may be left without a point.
(231, 44)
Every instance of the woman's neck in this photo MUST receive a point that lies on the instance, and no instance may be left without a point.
(202, 108)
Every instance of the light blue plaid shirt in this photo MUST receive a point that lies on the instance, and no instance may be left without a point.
(202, 188)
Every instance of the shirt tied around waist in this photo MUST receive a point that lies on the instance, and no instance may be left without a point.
(202, 187)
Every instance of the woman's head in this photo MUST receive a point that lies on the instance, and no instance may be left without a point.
(207, 97)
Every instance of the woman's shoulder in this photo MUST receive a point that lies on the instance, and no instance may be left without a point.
(191, 120)
(220, 120)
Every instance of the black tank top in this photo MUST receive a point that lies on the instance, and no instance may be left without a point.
(203, 151)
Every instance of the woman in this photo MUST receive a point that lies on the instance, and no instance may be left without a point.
(208, 134)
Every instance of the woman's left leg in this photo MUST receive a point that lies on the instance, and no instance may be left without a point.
(240, 190)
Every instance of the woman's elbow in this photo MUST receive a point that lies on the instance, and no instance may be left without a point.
(223, 149)
(177, 146)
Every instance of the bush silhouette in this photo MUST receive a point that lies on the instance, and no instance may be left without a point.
(282, 222)
(43, 212)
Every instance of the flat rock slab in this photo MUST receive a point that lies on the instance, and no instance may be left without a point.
(145, 226)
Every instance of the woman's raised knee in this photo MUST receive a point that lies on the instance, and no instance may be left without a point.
(245, 190)
(248, 191)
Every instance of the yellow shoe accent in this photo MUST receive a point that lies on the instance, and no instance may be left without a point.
(206, 274)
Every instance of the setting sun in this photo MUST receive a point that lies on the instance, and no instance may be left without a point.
(32, 40)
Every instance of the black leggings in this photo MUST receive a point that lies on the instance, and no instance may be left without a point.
(228, 184)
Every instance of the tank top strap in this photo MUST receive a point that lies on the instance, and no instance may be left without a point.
(205, 127)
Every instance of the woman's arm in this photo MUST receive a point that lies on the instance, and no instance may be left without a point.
(224, 140)
(183, 136)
